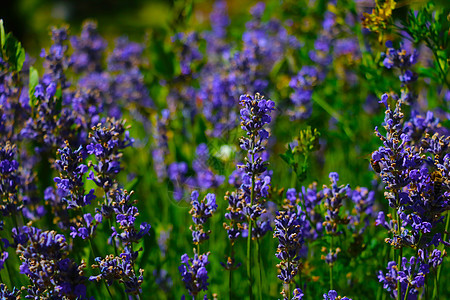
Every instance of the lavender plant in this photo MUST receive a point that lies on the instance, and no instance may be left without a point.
(71, 167)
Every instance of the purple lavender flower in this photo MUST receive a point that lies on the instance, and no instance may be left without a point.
(288, 230)
(189, 54)
(161, 150)
(402, 60)
(9, 180)
(297, 294)
(119, 269)
(163, 280)
(176, 173)
(88, 49)
(163, 240)
(43, 255)
(394, 152)
(107, 141)
(85, 229)
(70, 184)
(127, 80)
(412, 273)
(363, 200)
(412, 188)
(399, 58)
(303, 84)
(204, 175)
(333, 200)
(7, 294)
(55, 60)
(418, 126)
(255, 114)
(194, 273)
(126, 55)
(219, 21)
(126, 214)
(333, 295)
(201, 211)
(235, 214)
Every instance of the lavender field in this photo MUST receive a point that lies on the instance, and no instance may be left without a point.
(192, 149)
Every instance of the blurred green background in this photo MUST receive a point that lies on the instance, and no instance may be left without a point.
(30, 20)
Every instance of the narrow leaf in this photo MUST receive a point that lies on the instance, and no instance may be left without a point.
(2, 33)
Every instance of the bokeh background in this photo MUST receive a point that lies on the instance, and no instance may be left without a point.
(153, 23)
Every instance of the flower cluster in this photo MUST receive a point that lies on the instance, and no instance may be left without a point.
(235, 214)
(9, 180)
(86, 227)
(193, 270)
(288, 231)
(303, 84)
(7, 294)
(70, 184)
(333, 201)
(107, 141)
(189, 53)
(255, 114)
(416, 186)
(162, 148)
(43, 255)
(88, 49)
(201, 211)
(56, 62)
(126, 213)
(119, 269)
(401, 59)
(412, 165)
(194, 274)
(204, 176)
(333, 295)
(412, 274)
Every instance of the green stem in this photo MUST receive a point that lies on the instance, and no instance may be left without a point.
(288, 295)
(407, 292)
(331, 266)
(230, 284)
(230, 278)
(259, 268)
(399, 263)
(249, 252)
(399, 257)
(250, 227)
(436, 287)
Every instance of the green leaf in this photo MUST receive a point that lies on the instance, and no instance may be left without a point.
(2, 33)
(428, 72)
(20, 56)
(33, 81)
(132, 184)
(288, 156)
(15, 54)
